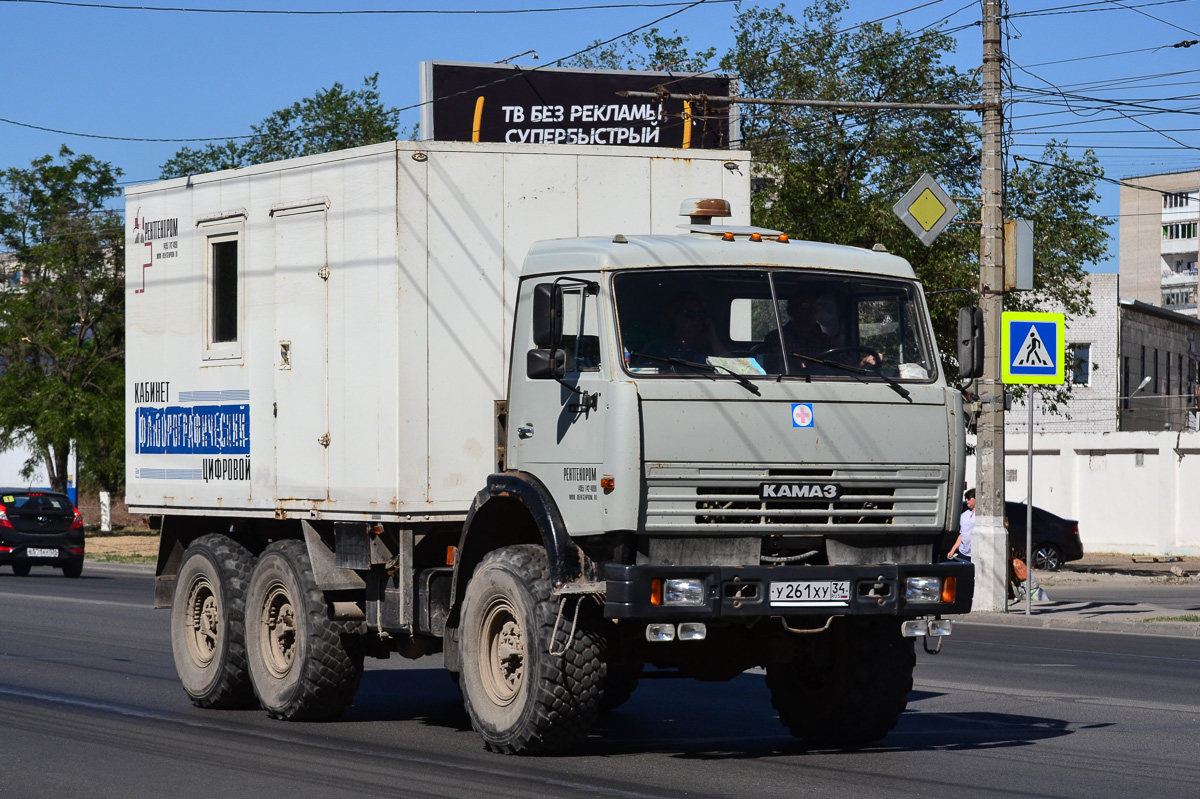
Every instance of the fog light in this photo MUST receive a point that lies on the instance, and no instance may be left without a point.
(683, 591)
(923, 589)
(919, 628)
(939, 628)
(692, 631)
(660, 632)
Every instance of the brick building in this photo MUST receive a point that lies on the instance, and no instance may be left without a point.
(1125, 342)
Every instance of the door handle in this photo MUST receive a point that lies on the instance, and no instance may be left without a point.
(526, 431)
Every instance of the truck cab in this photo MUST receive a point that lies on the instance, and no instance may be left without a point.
(745, 450)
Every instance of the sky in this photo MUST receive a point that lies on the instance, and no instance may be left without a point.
(1096, 73)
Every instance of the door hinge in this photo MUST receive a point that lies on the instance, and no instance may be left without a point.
(324, 440)
(323, 273)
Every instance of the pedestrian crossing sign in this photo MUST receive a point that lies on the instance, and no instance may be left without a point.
(1032, 348)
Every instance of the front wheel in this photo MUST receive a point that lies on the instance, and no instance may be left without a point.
(208, 634)
(528, 687)
(849, 685)
(304, 665)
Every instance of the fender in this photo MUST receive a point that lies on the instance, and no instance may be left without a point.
(490, 524)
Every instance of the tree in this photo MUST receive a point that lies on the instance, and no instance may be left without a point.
(649, 50)
(834, 174)
(62, 333)
(332, 119)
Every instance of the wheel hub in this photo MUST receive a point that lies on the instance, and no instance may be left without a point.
(278, 631)
(204, 622)
(503, 653)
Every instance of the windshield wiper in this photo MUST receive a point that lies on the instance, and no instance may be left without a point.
(857, 372)
(742, 380)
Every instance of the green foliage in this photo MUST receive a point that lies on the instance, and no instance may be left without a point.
(332, 119)
(649, 50)
(62, 329)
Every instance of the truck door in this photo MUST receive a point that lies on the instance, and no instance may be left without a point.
(301, 370)
(556, 431)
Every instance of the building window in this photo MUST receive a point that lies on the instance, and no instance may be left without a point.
(1081, 363)
(1180, 200)
(1154, 383)
(1167, 364)
(1179, 230)
(1125, 382)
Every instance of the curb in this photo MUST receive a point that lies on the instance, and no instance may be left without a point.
(1072, 621)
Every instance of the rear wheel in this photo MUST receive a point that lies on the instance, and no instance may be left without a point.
(208, 634)
(21, 569)
(73, 568)
(304, 665)
(528, 686)
(850, 685)
(1046, 557)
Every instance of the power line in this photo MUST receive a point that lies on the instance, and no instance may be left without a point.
(361, 12)
(1089, 8)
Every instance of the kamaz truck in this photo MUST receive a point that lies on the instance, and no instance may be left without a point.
(555, 415)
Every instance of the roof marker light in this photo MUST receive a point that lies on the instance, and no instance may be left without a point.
(727, 236)
(755, 237)
(783, 238)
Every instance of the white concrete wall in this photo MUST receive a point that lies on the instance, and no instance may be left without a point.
(1132, 492)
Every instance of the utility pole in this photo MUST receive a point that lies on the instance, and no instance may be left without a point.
(989, 542)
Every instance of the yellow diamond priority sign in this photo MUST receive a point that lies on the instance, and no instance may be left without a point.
(926, 209)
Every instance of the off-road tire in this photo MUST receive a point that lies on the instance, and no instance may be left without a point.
(304, 666)
(208, 632)
(21, 569)
(521, 698)
(850, 687)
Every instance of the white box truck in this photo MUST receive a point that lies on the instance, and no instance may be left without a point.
(488, 401)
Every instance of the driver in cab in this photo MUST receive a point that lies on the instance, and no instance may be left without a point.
(805, 334)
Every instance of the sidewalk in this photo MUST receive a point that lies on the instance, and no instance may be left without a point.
(1108, 574)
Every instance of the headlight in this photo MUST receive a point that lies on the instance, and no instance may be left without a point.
(683, 591)
(923, 589)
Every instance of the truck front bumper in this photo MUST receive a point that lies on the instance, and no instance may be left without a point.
(739, 592)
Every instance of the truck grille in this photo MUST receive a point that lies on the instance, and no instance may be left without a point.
(682, 498)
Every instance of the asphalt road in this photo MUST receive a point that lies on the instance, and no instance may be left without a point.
(90, 707)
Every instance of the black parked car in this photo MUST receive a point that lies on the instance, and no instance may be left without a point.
(40, 528)
(1055, 539)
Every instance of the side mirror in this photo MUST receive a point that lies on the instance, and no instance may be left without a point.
(546, 364)
(547, 315)
(970, 342)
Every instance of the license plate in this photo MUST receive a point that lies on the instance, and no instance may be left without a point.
(799, 594)
(35, 552)
(783, 491)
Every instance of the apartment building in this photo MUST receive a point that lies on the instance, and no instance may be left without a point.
(1158, 240)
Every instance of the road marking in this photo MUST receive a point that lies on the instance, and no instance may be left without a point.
(76, 600)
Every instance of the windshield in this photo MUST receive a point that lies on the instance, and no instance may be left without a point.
(737, 321)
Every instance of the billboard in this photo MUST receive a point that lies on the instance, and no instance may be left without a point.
(542, 105)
